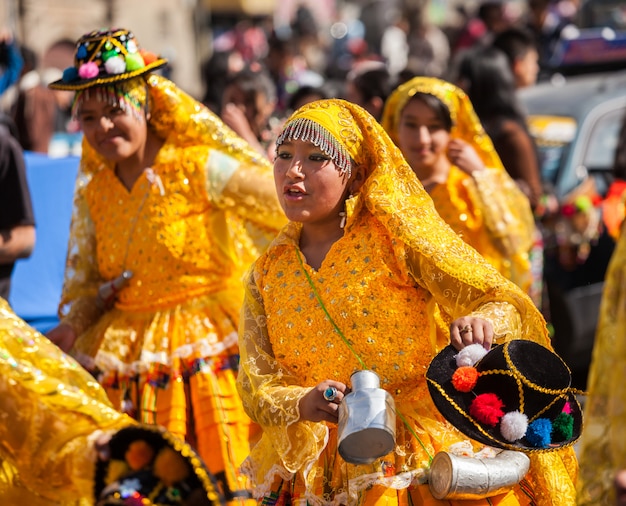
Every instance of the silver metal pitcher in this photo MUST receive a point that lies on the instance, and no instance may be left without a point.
(460, 477)
(367, 420)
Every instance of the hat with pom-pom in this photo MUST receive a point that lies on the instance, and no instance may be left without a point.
(104, 57)
(150, 466)
(516, 396)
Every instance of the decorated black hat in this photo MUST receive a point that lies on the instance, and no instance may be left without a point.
(517, 396)
(105, 57)
(149, 466)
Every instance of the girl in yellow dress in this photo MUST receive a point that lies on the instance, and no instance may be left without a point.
(435, 126)
(352, 282)
(170, 207)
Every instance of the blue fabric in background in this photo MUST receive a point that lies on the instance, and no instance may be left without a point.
(37, 281)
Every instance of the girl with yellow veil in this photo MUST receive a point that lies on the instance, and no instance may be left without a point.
(353, 282)
(435, 126)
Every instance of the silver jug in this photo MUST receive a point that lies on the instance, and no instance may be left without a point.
(367, 420)
(107, 292)
(459, 477)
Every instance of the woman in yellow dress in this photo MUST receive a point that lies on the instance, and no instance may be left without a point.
(170, 208)
(435, 126)
(352, 282)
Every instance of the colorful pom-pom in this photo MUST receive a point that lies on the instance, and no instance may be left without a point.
(513, 426)
(539, 433)
(139, 454)
(470, 355)
(88, 70)
(563, 427)
(147, 56)
(567, 408)
(70, 74)
(131, 46)
(106, 55)
(487, 409)
(464, 378)
(134, 62)
(81, 52)
(170, 467)
(115, 65)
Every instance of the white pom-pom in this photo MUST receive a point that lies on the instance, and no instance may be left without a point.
(115, 65)
(513, 426)
(469, 355)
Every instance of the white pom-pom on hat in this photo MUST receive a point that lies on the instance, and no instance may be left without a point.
(115, 65)
(513, 426)
(471, 354)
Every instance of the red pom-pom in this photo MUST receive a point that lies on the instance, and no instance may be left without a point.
(487, 409)
(464, 378)
(147, 56)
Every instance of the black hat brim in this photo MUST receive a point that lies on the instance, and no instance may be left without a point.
(157, 437)
(81, 84)
(454, 407)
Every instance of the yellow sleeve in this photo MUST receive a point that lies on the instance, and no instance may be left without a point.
(78, 305)
(249, 214)
(505, 209)
(270, 394)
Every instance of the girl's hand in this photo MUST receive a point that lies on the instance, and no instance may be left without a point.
(314, 407)
(464, 156)
(63, 336)
(469, 330)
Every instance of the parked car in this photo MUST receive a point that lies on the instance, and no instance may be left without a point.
(576, 122)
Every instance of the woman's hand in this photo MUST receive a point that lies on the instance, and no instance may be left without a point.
(464, 156)
(315, 407)
(469, 330)
(63, 336)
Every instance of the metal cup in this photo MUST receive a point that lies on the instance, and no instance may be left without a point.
(367, 420)
(459, 477)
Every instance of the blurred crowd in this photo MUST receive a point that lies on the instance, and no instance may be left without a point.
(258, 72)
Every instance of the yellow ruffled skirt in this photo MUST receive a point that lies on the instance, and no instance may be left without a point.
(177, 367)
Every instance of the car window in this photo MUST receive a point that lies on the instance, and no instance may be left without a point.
(599, 151)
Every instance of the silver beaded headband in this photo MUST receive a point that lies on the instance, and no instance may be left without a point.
(306, 130)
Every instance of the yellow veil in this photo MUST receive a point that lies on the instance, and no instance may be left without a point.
(465, 122)
(394, 195)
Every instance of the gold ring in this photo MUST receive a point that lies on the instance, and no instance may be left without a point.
(467, 328)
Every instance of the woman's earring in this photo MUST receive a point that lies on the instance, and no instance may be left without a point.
(342, 223)
(343, 214)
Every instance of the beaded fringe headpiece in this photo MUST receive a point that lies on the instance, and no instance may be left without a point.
(304, 129)
(130, 96)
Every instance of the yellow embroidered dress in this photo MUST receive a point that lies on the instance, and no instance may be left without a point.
(603, 442)
(186, 230)
(486, 209)
(396, 265)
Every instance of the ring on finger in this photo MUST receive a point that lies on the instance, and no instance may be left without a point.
(467, 328)
(330, 394)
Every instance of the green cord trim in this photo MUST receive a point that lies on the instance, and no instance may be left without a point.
(345, 340)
